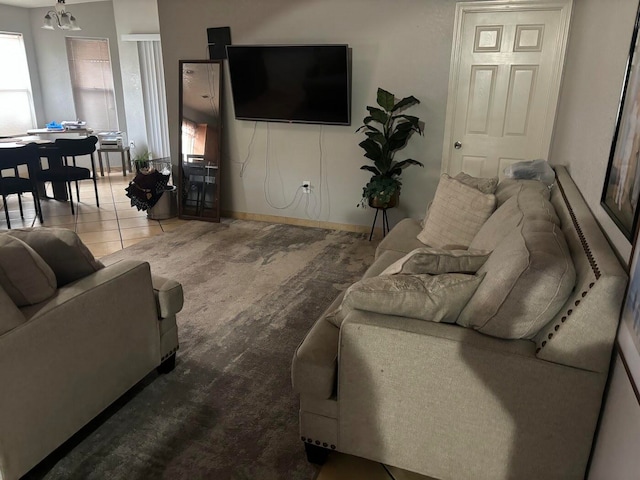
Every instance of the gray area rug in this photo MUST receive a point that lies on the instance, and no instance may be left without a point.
(252, 290)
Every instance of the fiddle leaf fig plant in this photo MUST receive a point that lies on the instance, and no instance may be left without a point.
(387, 131)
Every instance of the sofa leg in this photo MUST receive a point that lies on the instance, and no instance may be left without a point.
(168, 365)
(315, 454)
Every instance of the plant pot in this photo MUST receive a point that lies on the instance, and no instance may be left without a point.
(375, 202)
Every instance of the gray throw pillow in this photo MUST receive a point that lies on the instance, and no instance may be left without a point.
(436, 298)
(436, 261)
(62, 250)
(24, 275)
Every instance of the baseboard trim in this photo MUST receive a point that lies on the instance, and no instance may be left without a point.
(302, 222)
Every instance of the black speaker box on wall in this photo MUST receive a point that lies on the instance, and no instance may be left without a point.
(218, 38)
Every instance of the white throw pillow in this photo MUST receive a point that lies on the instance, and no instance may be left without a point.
(436, 261)
(437, 298)
(456, 214)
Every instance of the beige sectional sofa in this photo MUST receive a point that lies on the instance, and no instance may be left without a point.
(74, 336)
(453, 400)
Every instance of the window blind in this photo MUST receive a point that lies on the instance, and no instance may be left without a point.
(92, 82)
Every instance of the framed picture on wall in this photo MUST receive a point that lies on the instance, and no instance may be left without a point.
(629, 334)
(622, 183)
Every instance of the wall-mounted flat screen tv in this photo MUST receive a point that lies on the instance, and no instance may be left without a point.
(291, 83)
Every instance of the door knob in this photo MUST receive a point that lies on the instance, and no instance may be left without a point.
(457, 145)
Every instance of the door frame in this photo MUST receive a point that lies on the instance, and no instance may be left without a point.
(489, 6)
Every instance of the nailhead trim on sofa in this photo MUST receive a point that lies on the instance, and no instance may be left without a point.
(592, 263)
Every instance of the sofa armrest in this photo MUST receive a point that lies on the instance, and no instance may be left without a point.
(75, 355)
(450, 402)
(168, 295)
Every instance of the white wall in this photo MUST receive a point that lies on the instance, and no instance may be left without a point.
(97, 21)
(596, 58)
(403, 46)
(616, 453)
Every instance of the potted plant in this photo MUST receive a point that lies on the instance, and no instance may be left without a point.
(387, 132)
(141, 160)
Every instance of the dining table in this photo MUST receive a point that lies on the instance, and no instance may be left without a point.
(48, 150)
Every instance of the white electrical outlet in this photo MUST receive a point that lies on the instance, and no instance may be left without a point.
(306, 186)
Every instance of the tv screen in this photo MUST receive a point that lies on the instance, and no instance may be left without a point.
(291, 83)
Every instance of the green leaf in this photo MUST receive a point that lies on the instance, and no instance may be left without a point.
(399, 139)
(385, 99)
(405, 163)
(405, 103)
(372, 149)
(371, 169)
(377, 137)
(413, 121)
(378, 115)
(369, 128)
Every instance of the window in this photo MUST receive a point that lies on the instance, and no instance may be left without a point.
(17, 114)
(92, 82)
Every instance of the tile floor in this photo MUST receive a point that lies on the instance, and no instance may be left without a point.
(105, 229)
(116, 225)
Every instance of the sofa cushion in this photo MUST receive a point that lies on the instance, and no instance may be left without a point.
(437, 298)
(456, 214)
(401, 238)
(485, 185)
(62, 250)
(24, 275)
(526, 203)
(528, 277)
(508, 187)
(435, 261)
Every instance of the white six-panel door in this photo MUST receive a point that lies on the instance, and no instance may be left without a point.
(506, 68)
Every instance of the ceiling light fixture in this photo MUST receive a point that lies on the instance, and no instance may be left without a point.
(60, 17)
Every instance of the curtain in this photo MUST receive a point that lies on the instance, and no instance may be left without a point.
(154, 98)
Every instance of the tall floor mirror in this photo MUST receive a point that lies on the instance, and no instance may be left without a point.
(199, 144)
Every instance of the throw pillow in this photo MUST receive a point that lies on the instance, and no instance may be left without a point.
(456, 214)
(437, 298)
(436, 261)
(62, 250)
(529, 276)
(24, 275)
(485, 185)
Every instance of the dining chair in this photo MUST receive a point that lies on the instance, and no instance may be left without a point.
(11, 159)
(70, 149)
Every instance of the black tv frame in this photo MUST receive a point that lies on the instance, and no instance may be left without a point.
(309, 122)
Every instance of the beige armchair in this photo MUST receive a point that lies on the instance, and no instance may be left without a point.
(74, 336)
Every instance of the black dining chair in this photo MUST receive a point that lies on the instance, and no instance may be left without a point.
(11, 159)
(70, 149)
